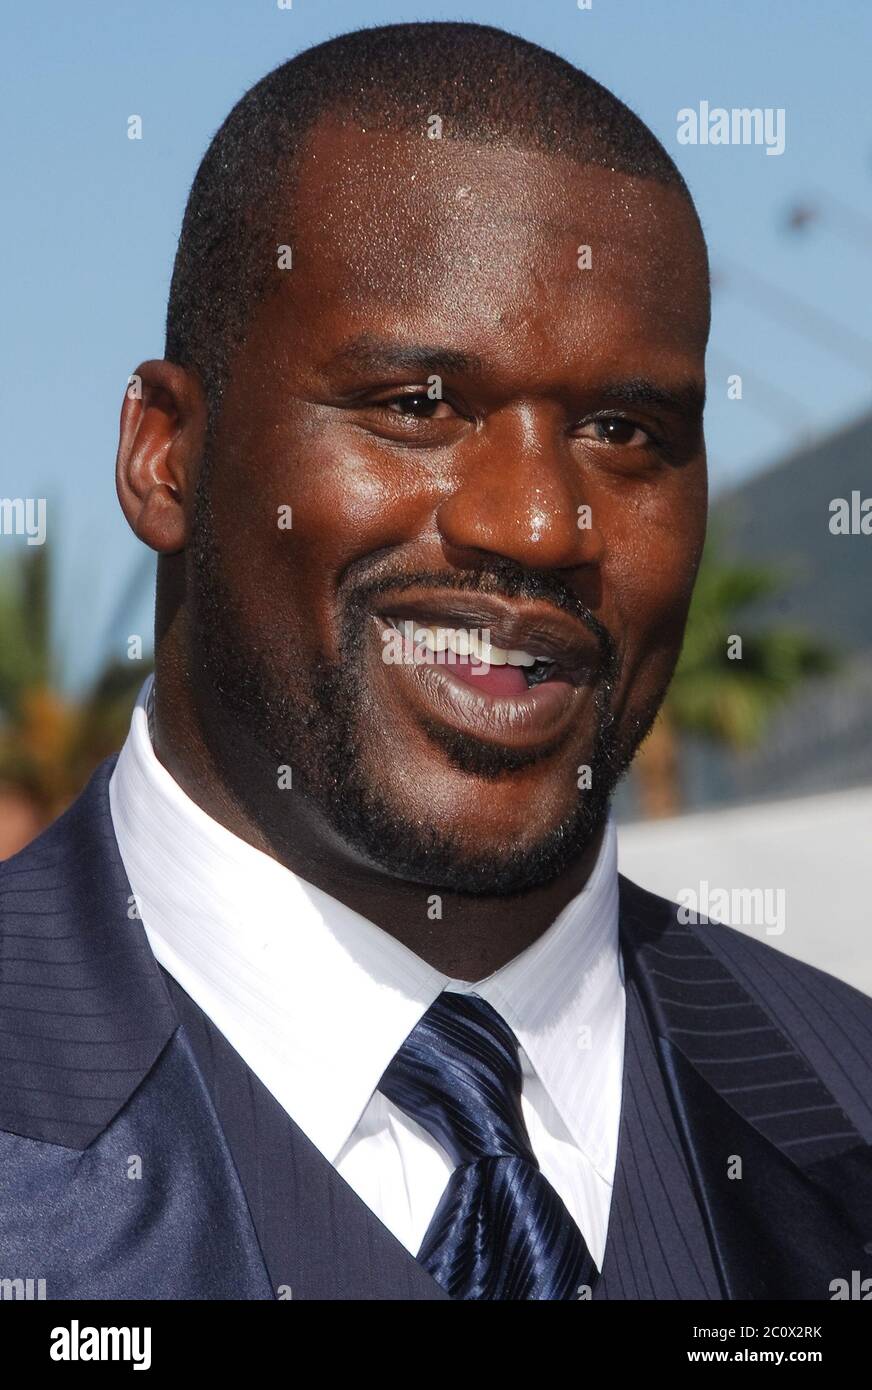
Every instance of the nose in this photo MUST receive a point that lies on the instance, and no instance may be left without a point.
(520, 495)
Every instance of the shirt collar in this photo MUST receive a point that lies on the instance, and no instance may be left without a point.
(318, 1000)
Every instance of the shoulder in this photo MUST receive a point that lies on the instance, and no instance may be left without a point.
(827, 1019)
(66, 858)
(769, 973)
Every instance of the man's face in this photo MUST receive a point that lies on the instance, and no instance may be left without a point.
(480, 428)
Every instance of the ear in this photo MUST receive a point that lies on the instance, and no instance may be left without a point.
(163, 433)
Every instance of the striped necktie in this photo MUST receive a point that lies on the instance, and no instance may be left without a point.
(500, 1230)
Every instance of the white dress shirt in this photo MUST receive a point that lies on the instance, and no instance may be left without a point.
(317, 1001)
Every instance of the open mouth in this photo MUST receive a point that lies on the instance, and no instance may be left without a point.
(506, 672)
(472, 655)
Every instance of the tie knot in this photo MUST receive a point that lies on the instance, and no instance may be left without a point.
(458, 1075)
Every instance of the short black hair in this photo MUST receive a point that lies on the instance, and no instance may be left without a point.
(485, 84)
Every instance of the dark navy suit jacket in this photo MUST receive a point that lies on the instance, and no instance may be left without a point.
(141, 1158)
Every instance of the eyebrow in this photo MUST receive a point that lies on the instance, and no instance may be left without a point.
(370, 353)
(688, 397)
(367, 352)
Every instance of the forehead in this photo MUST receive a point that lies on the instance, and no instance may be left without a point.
(486, 239)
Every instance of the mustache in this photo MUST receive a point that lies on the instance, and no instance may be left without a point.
(505, 579)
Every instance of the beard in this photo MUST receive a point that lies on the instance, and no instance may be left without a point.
(316, 724)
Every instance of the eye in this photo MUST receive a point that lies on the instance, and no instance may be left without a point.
(417, 405)
(615, 429)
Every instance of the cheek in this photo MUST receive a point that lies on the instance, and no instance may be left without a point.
(313, 510)
(346, 506)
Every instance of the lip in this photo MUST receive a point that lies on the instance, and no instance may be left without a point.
(533, 627)
(539, 720)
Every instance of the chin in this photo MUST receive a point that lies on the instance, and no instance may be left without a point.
(471, 854)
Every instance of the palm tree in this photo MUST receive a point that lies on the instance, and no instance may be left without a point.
(714, 695)
(49, 743)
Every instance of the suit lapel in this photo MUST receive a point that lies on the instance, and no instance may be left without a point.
(657, 1245)
(770, 1152)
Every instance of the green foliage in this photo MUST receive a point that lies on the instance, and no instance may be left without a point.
(730, 700)
(49, 745)
(25, 656)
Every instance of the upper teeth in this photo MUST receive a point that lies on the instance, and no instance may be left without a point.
(469, 642)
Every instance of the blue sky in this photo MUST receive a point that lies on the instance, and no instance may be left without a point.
(87, 244)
